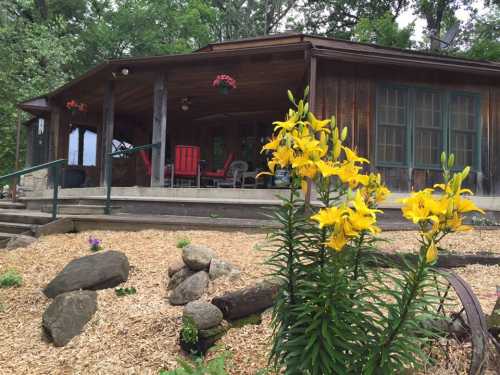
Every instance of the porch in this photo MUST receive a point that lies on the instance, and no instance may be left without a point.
(137, 102)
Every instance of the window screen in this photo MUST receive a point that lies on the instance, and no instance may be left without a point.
(428, 128)
(463, 126)
(392, 119)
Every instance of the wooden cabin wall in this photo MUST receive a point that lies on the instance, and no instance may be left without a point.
(347, 91)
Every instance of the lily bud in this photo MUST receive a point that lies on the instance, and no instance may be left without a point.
(465, 173)
(443, 159)
(343, 136)
(451, 161)
(306, 92)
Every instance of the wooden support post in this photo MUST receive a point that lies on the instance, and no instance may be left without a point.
(108, 123)
(16, 165)
(313, 83)
(54, 130)
(159, 131)
(55, 124)
(81, 134)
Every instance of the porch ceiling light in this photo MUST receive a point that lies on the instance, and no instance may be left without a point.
(124, 71)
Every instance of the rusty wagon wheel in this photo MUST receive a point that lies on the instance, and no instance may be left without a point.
(464, 347)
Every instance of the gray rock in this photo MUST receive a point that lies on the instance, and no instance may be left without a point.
(197, 257)
(92, 272)
(20, 241)
(219, 268)
(204, 314)
(190, 289)
(67, 315)
(179, 277)
(176, 267)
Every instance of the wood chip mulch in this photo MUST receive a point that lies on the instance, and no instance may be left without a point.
(138, 334)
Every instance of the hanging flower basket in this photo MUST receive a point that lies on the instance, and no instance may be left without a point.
(224, 83)
(74, 108)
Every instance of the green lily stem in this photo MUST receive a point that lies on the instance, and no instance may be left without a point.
(413, 284)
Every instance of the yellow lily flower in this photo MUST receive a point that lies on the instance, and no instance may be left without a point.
(352, 157)
(328, 216)
(318, 125)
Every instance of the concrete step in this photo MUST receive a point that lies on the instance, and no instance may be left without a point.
(79, 209)
(17, 228)
(4, 239)
(6, 204)
(24, 217)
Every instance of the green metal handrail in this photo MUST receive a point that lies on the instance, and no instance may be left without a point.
(109, 169)
(56, 166)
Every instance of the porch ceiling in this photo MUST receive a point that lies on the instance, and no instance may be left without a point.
(261, 82)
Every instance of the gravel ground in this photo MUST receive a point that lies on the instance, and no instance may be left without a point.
(138, 334)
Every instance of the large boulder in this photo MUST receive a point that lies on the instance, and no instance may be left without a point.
(197, 257)
(67, 315)
(219, 268)
(177, 278)
(176, 267)
(93, 272)
(204, 314)
(20, 241)
(190, 289)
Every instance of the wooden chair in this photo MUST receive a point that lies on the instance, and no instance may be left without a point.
(186, 164)
(220, 174)
(147, 164)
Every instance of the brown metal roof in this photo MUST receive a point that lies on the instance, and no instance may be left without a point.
(322, 47)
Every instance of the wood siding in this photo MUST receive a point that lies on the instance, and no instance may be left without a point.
(348, 92)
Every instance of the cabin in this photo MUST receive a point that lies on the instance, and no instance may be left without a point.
(402, 109)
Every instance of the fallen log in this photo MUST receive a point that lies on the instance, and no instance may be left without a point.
(247, 301)
(444, 260)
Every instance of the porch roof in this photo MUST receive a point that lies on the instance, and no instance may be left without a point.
(321, 47)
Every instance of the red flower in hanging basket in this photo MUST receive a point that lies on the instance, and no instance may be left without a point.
(74, 106)
(224, 83)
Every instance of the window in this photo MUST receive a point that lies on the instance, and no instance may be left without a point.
(392, 125)
(428, 128)
(464, 125)
(87, 141)
(414, 125)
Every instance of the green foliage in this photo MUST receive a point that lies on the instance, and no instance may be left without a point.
(183, 242)
(384, 31)
(189, 331)
(339, 18)
(482, 36)
(10, 278)
(215, 366)
(121, 292)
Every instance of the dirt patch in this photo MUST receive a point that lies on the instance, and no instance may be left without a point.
(138, 334)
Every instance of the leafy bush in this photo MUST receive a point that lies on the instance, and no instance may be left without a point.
(189, 331)
(121, 292)
(183, 242)
(335, 312)
(215, 366)
(10, 278)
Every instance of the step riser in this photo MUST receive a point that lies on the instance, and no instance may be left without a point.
(8, 218)
(75, 210)
(14, 230)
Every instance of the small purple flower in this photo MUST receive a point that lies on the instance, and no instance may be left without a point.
(95, 244)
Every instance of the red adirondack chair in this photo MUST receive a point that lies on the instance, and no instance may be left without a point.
(147, 164)
(220, 173)
(186, 163)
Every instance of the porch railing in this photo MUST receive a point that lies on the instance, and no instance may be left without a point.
(55, 165)
(109, 169)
